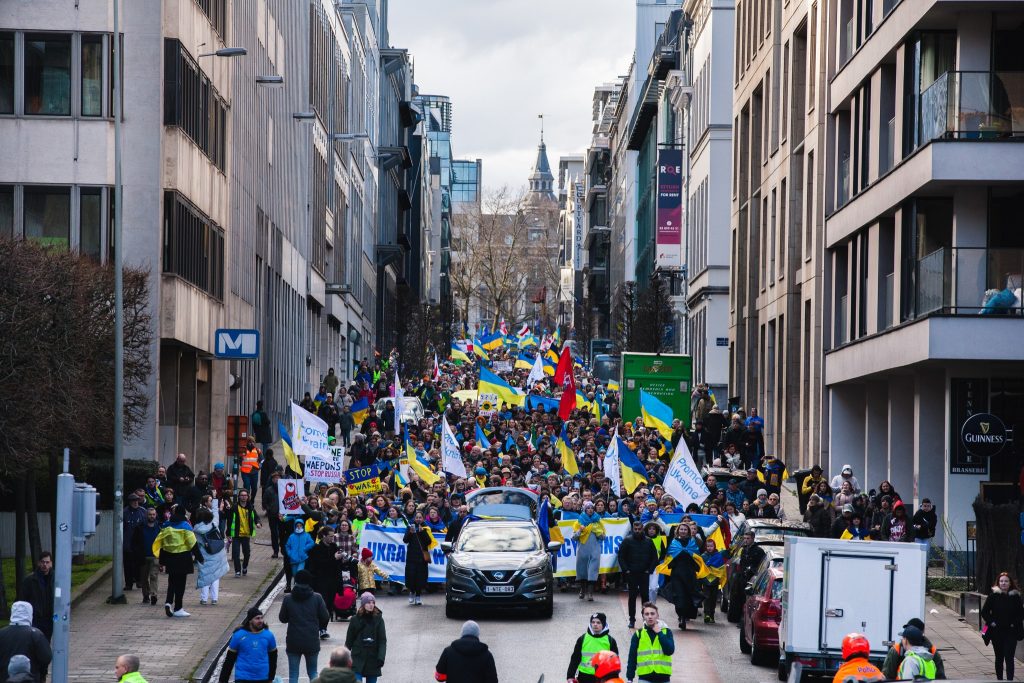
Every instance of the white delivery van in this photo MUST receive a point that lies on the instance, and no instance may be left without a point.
(833, 587)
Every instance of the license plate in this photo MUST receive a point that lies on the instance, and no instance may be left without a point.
(499, 589)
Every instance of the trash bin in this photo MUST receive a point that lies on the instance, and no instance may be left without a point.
(798, 477)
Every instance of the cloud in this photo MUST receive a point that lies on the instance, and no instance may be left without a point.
(502, 62)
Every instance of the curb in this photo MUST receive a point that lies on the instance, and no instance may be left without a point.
(211, 663)
(89, 585)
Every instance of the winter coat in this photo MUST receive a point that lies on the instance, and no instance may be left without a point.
(923, 523)
(368, 640)
(1004, 613)
(336, 675)
(305, 613)
(366, 574)
(820, 520)
(681, 589)
(416, 568)
(298, 546)
(325, 569)
(466, 660)
(234, 521)
(215, 565)
(37, 590)
(24, 640)
(637, 555)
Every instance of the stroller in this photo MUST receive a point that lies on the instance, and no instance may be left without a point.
(345, 598)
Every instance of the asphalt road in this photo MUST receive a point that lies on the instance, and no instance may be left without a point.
(526, 647)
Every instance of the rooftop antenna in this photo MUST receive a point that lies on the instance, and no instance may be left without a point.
(541, 117)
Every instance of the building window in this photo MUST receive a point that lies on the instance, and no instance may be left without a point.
(48, 215)
(6, 211)
(216, 12)
(92, 75)
(6, 73)
(193, 104)
(48, 74)
(90, 217)
(193, 246)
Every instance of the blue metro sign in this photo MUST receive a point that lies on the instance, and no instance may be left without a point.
(236, 344)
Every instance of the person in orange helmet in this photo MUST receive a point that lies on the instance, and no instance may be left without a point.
(856, 666)
(607, 666)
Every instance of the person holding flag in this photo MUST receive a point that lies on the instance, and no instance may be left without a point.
(714, 560)
(684, 567)
(589, 531)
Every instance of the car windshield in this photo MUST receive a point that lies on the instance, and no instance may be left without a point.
(483, 538)
(778, 531)
(503, 497)
(777, 589)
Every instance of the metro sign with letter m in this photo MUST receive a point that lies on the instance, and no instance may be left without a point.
(236, 344)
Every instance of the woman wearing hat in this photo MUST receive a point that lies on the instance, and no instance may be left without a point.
(595, 639)
(367, 639)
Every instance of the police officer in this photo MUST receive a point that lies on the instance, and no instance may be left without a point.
(651, 649)
(856, 666)
(596, 639)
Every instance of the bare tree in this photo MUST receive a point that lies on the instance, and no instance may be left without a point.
(626, 317)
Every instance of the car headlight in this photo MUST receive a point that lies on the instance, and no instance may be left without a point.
(536, 566)
(459, 570)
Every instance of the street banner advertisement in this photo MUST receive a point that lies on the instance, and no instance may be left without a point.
(289, 492)
(683, 480)
(670, 209)
(389, 553)
(326, 470)
(614, 529)
(309, 433)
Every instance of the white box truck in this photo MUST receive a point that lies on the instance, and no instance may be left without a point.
(832, 587)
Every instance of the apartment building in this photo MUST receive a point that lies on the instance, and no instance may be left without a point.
(923, 253)
(777, 307)
(597, 239)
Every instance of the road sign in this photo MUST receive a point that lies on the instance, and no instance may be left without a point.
(236, 344)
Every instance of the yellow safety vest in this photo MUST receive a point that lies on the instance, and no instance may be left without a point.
(250, 460)
(591, 646)
(649, 657)
(925, 667)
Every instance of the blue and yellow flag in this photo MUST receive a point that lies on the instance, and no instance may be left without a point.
(492, 384)
(634, 474)
(418, 466)
(656, 414)
(490, 342)
(612, 385)
(585, 531)
(565, 450)
(524, 362)
(510, 444)
(360, 409)
(551, 355)
(458, 354)
(286, 445)
(481, 438)
(716, 567)
(527, 340)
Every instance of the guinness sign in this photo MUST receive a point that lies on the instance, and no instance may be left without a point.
(983, 435)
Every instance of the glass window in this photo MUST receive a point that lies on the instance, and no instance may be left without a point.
(91, 220)
(48, 215)
(6, 211)
(6, 73)
(92, 75)
(492, 539)
(48, 74)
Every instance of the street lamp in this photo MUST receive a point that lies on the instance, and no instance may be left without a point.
(226, 52)
(271, 80)
(304, 115)
(348, 137)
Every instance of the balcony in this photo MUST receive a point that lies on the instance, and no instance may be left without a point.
(969, 281)
(973, 105)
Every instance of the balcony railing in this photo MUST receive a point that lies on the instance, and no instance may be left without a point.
(969, 281)
(973, 105)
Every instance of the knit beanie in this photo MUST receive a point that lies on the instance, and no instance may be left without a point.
(471, 628)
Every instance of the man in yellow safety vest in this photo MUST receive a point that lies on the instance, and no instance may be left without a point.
(650, 649)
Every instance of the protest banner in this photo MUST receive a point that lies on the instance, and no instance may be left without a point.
(683, 480)
(324, 469)
(289, 492)
(389, 553)
(360, 480)
(488, 403)
(502, 366)
(615, 530)
(309, 433)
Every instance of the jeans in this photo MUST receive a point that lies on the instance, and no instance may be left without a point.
(1004, 646)
(368, 679)
(241, 543)
(251, 481)
(211, 592)
(275, 536)
(293, 666)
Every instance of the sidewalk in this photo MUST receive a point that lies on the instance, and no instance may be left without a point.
(964, 653)
(170, 649)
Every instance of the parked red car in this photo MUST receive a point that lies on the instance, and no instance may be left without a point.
(762, 611)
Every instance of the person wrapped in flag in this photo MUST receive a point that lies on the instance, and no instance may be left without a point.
(588, 530)
(684, 566)
(714, 560)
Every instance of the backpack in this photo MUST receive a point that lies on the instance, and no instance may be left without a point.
(213, 542)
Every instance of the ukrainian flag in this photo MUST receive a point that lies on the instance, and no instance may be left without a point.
(286, 445)
(656, 414)
(568, 457)
(479, 351)
(634, 474)
(582, 402)
(399, 477)
(716, 567)
(527, 340)
(524, 362)
(552, 356)
(458, 354)
(492, 341)
(492, 384)
(510, 444)
(702, 568)
(418, 466)
(612, 385)
(360, 409)
(481, 438)
(549, 368)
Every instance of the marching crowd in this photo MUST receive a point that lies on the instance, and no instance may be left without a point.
(181, 523)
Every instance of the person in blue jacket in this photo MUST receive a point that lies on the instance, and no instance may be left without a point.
(297, 547)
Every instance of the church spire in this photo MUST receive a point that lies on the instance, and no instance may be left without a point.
(541, 180)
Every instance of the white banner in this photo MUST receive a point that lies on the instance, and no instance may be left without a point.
(614, 529)
(502, 366)
(451, 455)
(289, 492)
(326, 470)
(682, 480)
(309, 433)
(389, 553)
(612, 468)
(488, 403)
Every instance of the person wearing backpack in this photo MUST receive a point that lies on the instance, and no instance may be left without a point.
(215, 557)
(242, 526)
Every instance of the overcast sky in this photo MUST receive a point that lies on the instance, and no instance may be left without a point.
(502, 62)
